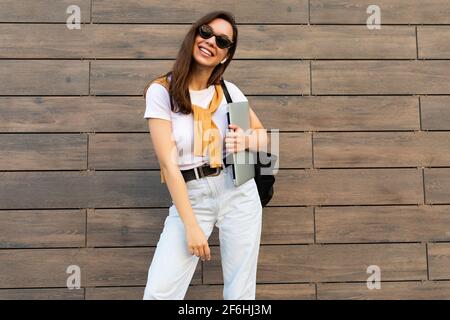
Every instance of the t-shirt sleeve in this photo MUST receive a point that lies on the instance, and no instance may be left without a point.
(236, 94)
(157, 103)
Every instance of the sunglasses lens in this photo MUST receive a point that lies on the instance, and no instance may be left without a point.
(205, 31)
(222, 42)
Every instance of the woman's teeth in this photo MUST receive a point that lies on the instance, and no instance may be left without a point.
(206, 52)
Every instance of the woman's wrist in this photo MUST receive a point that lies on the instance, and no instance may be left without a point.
(191, 224)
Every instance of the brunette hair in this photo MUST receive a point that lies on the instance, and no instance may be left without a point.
(179, 83)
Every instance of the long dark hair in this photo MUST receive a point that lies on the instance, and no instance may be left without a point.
(179, 84)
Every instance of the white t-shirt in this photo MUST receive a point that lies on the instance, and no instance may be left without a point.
(158, 106)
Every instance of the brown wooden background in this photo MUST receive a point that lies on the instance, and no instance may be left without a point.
(364, 117)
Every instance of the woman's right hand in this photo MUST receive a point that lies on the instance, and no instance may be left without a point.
(197, 242)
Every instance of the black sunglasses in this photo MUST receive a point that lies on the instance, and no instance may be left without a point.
(205, 31)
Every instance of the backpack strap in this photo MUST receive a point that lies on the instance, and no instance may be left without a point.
(225, 91)
(169, 78)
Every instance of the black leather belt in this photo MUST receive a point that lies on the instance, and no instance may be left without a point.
(203, 171)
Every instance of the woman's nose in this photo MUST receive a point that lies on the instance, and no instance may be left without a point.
(211, 41)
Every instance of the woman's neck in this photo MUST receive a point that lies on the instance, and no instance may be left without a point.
(199, 78)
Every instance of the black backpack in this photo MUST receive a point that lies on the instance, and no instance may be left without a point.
(264, 182)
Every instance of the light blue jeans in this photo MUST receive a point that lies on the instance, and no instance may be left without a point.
(237, 212)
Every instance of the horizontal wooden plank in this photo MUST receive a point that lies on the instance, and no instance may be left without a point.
(122, 151)
(298, 157)
(84, 189)
(43, 151)
(282, 225)
(124, 227)
(125, 77)
(286, 291)
(115, 293)
(337, 113)
(439, 260)
(42, 10)
(381, 77)
(334, 42)
(347, 187)
(130, 77)
(285, 113)
(286, 77)
(287, 225)
(437, 185)
(435, 112)
(392, 11)
(27, 268)
(44, 41)
(44, 77)
(382, 224)
(151, 11)
(107, 189)
(142, 227)
(381, 149)
(28, 190)
(310, 263)
(194, 292)
(434, 42)
(42, 228)
(135, 151)
(91, 41)
(255, 42)
(423, 290)
(42, 294)
(205, 292)
(72, 114)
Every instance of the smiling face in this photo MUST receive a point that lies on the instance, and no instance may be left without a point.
(205, 51)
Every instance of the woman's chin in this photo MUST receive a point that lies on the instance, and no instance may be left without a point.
(204, 61)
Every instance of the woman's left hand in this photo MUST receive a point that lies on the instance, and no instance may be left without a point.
(236, 140)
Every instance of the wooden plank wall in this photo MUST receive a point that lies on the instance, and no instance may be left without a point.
(364, 119)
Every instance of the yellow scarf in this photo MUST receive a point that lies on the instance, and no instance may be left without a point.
(206, 133)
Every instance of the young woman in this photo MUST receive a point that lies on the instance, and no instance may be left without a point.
(191, 137)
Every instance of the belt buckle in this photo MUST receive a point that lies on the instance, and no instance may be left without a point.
(196, 174)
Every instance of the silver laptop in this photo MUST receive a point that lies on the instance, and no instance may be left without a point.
(243, 162)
